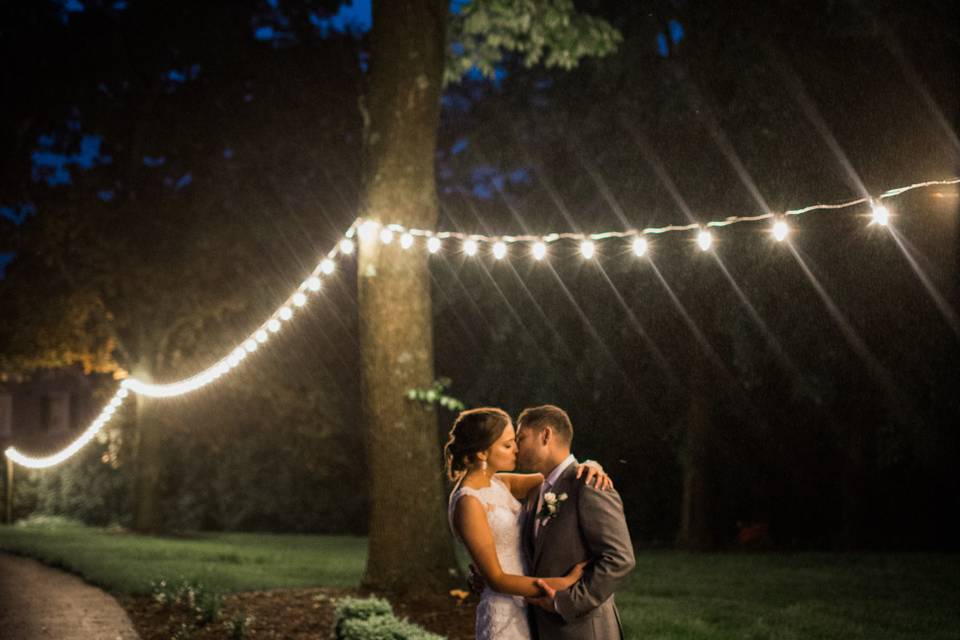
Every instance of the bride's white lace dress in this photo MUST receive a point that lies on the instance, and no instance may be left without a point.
(499, 616)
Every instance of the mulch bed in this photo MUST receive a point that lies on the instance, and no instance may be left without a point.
(295, 614)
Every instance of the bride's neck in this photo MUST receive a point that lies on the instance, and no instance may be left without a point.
(478, 477)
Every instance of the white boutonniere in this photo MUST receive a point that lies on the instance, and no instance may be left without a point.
(551, 507)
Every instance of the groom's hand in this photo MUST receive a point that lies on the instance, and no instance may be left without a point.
(545, 601)
(476, 581)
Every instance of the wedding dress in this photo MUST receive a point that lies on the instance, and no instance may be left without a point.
(499, 616)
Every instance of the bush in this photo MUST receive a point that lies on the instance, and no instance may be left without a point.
(373, 619)
(202, 604)
(383, 627)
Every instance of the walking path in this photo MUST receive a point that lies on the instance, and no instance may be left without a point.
(40, 603)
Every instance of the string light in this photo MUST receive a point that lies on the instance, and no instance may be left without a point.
(780, 230)
(367, 230)
(880, 215)
(539, 250)
(704, 240)
(640, 247)
(587, 248)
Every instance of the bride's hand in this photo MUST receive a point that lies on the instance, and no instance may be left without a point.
(595, 474)
(575, 574)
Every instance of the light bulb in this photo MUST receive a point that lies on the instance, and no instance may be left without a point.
(313, 283)
(285, 313)
(406, 241)
(587, 248)
(346, 246)
(640, 247)
(250, 346)
(704, 240)
(273, 325)
(386, 236)
(261, 336)
(123, 393)
(470, 247)
(433, 244)
(327, 266)
(780, 230)
(881, 215)
(499, 250)
(368, 230)
(299, 299)
(539, 251)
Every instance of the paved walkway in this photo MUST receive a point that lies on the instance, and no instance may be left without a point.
(40, 603)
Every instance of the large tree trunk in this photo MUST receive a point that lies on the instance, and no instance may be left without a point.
(410, 546)
(148, 446)
(695, 533)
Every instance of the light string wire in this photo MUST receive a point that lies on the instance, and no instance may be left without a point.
(368, 230)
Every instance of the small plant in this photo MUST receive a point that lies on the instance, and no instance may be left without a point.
(202, 604)
(384, 627)
(237, 626)
(373, 619)
(435, 394)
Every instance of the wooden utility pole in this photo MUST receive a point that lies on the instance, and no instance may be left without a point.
(8, 511)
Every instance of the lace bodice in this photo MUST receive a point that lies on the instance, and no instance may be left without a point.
(499, 616)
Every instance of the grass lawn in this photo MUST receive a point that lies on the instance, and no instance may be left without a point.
(671, 595)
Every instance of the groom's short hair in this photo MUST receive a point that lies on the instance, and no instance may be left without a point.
(547, 415)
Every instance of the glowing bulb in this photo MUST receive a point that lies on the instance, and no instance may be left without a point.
(881, 215)
(433, 245)
(313, 283)
(499, 250)
(386, 236)
(470, 247)
(539, 251)
(640, 247)
(273, 325)
(250, 345)
(346, 246)
(704, 240)
(587, 248)
(780, 230)
(115, 402)
(406, 241)
(261, 336)
(286, 313)
(327, 266)
(239, 353)
(368, 230)
(299, 299)
(222, 368)
(123, 393)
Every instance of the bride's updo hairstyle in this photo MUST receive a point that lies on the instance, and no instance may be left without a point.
(473, 431)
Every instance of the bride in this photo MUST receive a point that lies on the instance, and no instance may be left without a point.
(485, 515)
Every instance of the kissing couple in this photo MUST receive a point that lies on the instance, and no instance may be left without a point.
(551, 546)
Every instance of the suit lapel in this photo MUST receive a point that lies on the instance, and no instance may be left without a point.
(563, 485)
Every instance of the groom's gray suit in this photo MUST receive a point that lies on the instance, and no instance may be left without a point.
(588, 526)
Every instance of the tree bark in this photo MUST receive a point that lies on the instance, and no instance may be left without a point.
(149, 449)
(695, 533)
(410, 546)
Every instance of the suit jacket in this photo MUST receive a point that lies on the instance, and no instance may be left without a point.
(589, 525)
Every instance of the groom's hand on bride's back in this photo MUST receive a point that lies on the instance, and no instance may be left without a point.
(476, 581)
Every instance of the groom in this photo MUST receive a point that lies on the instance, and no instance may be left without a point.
(567, 522)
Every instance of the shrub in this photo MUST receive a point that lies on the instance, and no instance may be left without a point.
(373, 619)
(201, 603)
(383, 627)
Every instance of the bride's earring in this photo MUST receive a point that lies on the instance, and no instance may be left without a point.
(483, 465)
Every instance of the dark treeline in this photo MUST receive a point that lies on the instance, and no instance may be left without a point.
(723, 391)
